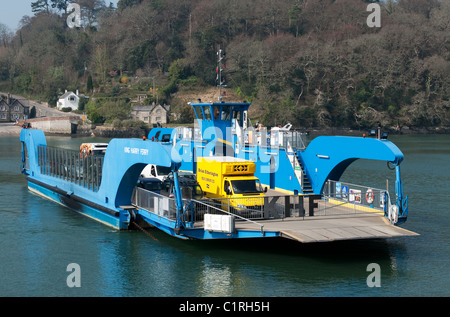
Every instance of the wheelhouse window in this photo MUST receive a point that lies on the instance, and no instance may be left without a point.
(198, 112)
(207, 111)
(226, 113)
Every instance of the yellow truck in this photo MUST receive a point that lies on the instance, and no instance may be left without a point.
(230, 181)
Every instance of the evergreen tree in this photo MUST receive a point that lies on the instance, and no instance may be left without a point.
(89, 84)
(40, 5)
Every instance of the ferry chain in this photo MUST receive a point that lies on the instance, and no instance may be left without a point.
(144, 231)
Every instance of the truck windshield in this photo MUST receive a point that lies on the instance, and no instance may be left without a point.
(247, 186)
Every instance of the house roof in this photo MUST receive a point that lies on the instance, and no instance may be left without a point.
(12, 102)
(18, 101)
(67, 94)
(149, 107)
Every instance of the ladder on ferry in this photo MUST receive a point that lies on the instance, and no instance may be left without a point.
(305, 183)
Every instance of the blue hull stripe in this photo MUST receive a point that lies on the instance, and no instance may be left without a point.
(77, 205)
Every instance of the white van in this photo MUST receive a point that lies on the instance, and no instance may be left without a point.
(156, 171)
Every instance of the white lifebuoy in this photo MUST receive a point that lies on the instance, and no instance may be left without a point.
(369, 196)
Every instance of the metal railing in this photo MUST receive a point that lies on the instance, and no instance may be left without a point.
(274, 138)
(332, 203)
(247, 209)
(252, 136)
(67, 165)
(160, 205)
(296, 139)
(193, 210)
(346, 198)
(196, 210)
(267, 207)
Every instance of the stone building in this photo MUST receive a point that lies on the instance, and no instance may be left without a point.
(151, 114)
(13, 110)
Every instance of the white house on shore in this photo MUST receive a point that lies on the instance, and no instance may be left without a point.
(69, 99)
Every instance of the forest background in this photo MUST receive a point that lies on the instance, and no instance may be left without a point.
(314, 63)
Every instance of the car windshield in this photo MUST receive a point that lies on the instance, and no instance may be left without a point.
(191, 191)
(247, 186)
(152, 185)
(163, 170)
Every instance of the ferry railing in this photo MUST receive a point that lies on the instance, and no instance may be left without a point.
(160, 205)
(266, 207)
(345, 198)
(274, 207)
(69, 166)
(274, 139)
(295, 139)
(193, 210)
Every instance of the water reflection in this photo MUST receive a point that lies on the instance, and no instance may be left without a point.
(281, 268)
(214, 279)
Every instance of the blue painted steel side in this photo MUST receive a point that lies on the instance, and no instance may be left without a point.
(124, 160)
(171, 227)
(401, 201)
(156, 134)
(163, 224)
(238, 234)
(327, 157)
(118, 222)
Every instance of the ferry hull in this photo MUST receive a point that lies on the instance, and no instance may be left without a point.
(109, 218)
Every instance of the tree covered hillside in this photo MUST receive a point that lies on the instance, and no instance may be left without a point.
(315, 63)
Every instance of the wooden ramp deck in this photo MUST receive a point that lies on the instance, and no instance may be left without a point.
(330, 228)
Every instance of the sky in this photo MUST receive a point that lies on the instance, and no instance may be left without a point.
(12, 11)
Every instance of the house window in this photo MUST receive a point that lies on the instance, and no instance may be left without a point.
(145, 119)
(158, 111)
(3, 116)
(71, 98)
(16, 108)
(3, 108)
(158, 119)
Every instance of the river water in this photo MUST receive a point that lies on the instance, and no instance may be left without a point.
(39, 239)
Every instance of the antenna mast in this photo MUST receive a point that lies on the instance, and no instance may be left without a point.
(219, 69)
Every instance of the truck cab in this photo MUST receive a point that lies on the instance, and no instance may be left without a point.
(238, 186)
